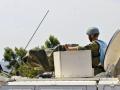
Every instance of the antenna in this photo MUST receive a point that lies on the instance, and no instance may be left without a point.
(36, 30)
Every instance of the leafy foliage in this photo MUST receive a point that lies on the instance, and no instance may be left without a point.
(51, 42)
(14, 57)
(27, 70)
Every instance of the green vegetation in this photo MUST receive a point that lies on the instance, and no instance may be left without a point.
(14, 57)
(26, 70)
(51, 42)
(33, 66)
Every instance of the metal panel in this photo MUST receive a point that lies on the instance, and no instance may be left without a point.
(66, 87)
(71, 64)
(62, 88)
(50, 87)
(109, 84)
(109, 87)
(52, 82)
(113, 51)
(91, 87)
(17, 88)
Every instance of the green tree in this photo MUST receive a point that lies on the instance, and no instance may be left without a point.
(51, 42)
(26, 70)
(14, 57)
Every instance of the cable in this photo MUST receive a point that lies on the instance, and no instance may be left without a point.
(36, 30)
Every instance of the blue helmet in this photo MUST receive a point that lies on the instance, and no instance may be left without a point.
(92, 31)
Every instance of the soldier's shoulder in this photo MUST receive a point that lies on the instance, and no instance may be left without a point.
(94, 43)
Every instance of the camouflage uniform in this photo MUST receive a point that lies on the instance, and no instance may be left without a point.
(94, 47)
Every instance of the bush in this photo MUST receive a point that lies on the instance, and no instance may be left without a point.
(27, 70)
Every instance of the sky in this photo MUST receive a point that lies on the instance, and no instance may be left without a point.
(68, 20)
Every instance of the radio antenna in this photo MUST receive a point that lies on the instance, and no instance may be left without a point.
(36, 30)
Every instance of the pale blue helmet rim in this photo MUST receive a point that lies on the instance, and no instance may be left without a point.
(92, 31)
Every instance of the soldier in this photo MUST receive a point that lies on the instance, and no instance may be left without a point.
(97, 47)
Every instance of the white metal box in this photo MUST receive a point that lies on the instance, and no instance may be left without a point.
(73, 64)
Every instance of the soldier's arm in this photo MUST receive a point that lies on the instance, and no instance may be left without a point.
(91, 46)
(71, 48)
